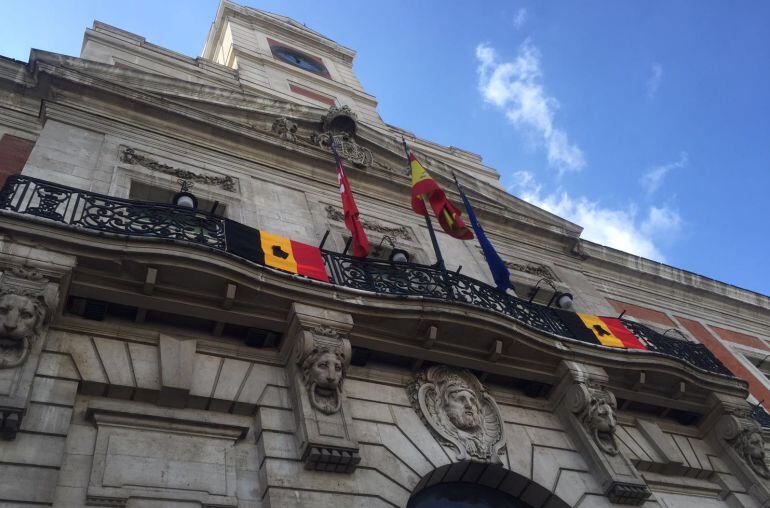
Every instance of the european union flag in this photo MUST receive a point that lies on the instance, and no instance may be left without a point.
(500, 272)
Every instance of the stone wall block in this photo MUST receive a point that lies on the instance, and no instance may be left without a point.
(177, 358)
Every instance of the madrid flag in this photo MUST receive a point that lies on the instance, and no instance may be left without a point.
(360, 242)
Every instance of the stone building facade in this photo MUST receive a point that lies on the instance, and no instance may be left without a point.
(145, 363)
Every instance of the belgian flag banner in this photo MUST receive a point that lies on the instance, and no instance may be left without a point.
(275, 251)
(605, 331)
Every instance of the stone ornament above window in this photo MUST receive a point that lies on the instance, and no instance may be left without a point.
(27, 300)
(285, 129)
(403, 232)
(130, 156)
(459, 411)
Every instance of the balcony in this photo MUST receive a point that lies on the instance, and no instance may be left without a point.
(79, 209)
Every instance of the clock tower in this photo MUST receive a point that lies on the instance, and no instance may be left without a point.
(278, 57)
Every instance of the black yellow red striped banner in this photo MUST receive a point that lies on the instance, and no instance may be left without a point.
(605, 331)
(275, 251)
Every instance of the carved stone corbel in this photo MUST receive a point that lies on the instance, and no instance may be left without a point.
(740, 438)
(27, 300)
(319, 358)
(589, 410)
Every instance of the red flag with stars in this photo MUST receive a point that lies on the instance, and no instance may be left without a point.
(360, 242)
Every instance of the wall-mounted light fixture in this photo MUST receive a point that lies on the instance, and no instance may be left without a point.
(184, 198)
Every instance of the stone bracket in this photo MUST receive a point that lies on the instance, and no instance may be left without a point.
(319, 358)
(10, 422)
(589, 409)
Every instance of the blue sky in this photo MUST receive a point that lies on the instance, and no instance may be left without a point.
(648, 123)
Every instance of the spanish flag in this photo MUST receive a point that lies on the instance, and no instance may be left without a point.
(605, 331)
(275, 251)
(425, 187)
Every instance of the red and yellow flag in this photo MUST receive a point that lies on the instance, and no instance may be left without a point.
(425, 187)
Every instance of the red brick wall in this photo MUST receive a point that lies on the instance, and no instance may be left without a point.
(14, 152)
(740, 338)
(756, 388)
(642, 313)
(309, 93)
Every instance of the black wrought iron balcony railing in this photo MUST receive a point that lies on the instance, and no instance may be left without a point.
(87, 210)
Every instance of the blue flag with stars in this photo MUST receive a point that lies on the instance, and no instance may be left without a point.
(500, 272)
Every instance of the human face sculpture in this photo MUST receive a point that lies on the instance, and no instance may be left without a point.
(18, 319)
(463, 409)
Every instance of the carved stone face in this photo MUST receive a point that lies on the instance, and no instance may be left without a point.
(326, 371)
(604, 418)
(19, 317)
(462, 407)
(756, 446)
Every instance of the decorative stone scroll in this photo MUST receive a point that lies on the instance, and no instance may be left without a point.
(403, 232)
(460, 411)
(596, 409)
(130, 156)
(26, 302)
(320, 357)
(285, 129)
(745, 436)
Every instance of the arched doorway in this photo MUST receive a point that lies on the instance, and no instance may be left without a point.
(464, 495)
(477, 485)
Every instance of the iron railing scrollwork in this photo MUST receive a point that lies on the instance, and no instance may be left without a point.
(105, 214)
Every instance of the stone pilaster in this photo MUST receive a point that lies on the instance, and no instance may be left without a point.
(318, 362)
(588, 408)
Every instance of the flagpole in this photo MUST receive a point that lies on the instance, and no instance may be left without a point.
(434, 241)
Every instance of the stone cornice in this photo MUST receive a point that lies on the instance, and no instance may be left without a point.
(609, 261)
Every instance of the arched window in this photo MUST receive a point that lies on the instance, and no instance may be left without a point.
(463, 495)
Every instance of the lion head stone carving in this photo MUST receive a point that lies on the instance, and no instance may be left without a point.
(25, 301)
(458, 409)
(323, 370)
(751, 446)
(596, 408)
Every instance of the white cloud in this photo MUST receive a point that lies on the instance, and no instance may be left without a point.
(617, 228)
(515, 88)
(653, 82)
(520, 18)
(653, 177)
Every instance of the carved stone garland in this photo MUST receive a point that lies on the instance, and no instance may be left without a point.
(129, 156)
(335, 214)
(26, 302)
(458, 409)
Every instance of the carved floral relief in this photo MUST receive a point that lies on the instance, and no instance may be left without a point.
(458, 409)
